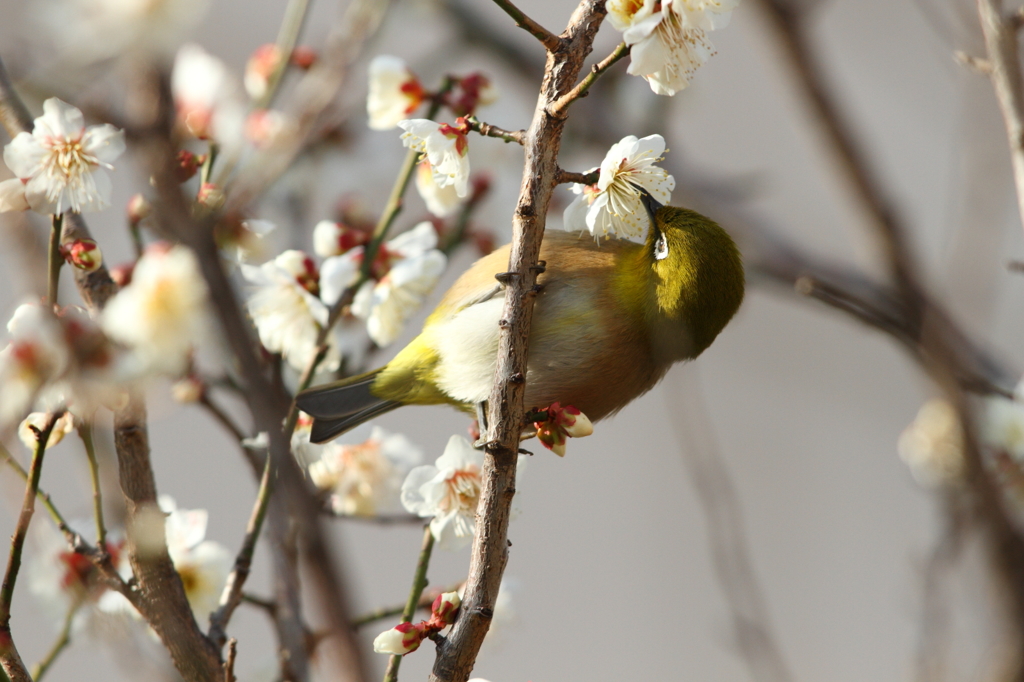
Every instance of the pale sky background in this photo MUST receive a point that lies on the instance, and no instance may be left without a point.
(610, 559)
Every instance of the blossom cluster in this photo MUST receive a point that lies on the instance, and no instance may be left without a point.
(668, 38)
(74, 359)
(612, 206)
(62, 579)
(405, 638)
(290, 297)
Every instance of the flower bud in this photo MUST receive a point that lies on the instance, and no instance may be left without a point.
(333, 239)
(188, 390)
(33, 425)
(260, 67)
(84, 254)
(445, 607)
(263, 126)
(188, 165)
(211, 196)
(399, 640)
(303, 57)
(552, 438)
(576, 424)
(139, 209)
(122, 274)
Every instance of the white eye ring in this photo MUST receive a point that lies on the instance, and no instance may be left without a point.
(661, 248)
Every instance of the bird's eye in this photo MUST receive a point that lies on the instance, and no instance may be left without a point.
(661, 248)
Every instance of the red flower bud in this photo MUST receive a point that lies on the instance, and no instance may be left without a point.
(84, 254)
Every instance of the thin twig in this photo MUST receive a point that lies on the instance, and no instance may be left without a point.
(229, 664)
(564, 177)
(426, 600)
(548, 39)
(1001, 43)
(54, 260)
(231, 597)
(85, 432)
(419, 583)
(287, 38)
(266, 605)
(43, 497)
(456, 655)
(559, 106)
(10, 660)
(61, 643)
(488, 130)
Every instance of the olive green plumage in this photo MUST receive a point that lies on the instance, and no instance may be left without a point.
(609, 321)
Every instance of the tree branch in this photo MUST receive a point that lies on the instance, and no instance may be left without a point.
(457, 653)
(487, 130)
(561, 105)
(549, 40)
(1001, 43)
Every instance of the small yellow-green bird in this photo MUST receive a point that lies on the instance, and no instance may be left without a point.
(608, 322)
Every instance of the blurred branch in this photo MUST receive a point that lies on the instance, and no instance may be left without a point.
(734, 569)
(287, 37)
(1002, 36)
(293, 508)
(933, 337)
(14, 115)
(61, 643)
(85, 433)
(313, 95)
(456, 654)
(549, 40)
(231, 597)
(10, 660)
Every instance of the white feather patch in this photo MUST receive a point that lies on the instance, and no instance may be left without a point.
(468, 347)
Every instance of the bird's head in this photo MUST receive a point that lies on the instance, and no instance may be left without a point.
(697, 278)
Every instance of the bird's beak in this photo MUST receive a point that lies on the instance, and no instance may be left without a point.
(650, 203)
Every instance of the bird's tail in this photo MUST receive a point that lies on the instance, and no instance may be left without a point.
(342, 405)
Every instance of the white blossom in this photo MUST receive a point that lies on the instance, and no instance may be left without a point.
(12, 196)
(665, 47)
(208, 97)
(441, 201)
(36, 355)
(613, 206)
(365, 479)
(394, 92)
(37, 421)
(445, 146)
(416, 269)
(161, 315)
(202, 564)
(61, 579)
(62, 163)
(1003, 426)
(932, 445)
(86, 31)
(289, 303)
(708, 15)
(448, 491)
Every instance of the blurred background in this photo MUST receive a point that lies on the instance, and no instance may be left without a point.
(612, 573)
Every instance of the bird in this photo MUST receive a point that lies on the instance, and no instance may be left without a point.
(609, 320)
